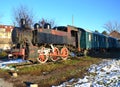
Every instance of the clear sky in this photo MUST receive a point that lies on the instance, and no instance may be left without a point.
(88, 14)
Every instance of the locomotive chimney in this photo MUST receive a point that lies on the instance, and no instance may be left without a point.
(23, 23)
(36, 26)
(47, 26)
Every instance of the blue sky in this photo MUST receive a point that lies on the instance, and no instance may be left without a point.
(88, 14)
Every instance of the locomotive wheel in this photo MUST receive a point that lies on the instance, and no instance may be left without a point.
(54, 55)
(42, 57)
(64, 53)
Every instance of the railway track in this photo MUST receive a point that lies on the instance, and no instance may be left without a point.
(30, 63)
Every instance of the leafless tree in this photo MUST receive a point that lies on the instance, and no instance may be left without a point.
(112, 26)
(22, 12)
(43, 21)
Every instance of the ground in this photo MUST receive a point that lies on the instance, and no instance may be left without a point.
(46, 75)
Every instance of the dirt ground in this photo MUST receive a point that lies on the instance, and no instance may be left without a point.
(4, 83)
(26, 80)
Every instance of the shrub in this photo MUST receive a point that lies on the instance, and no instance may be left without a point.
(3, 54)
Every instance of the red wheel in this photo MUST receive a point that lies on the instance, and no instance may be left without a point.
(54, 56)
(64, 53)
(42, 57)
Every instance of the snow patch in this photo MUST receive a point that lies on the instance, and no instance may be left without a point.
(106, 74)
(3, 64)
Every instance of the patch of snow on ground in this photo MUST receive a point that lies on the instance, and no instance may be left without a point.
(106, 74)
(4, 63)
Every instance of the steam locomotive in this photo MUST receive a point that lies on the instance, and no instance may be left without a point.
(45, 43)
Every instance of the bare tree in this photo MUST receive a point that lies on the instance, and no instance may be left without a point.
(22, 12)
(44, 21)
(112, 26)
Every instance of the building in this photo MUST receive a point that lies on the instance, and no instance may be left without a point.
(5, 36)
(116, 35)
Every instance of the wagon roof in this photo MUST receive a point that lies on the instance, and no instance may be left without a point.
(88, 31)
(73, 27)
(79, 28)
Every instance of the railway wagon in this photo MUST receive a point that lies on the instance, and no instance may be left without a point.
(104, 42)
(95, 41)
(118, 43)
(86, 39)
(101, 41)
(112, 43)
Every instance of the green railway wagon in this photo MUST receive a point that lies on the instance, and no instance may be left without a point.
(96, 40)
(100, 40)
(85, 39)
(112, 42)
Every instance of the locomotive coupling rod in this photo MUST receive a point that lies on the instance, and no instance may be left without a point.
(52, 46)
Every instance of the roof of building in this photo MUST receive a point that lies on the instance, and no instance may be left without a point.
(115, 34)
(7, 27)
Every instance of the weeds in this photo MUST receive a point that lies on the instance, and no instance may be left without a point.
(3, 54)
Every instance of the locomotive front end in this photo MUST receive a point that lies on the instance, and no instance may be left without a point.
(22, 39)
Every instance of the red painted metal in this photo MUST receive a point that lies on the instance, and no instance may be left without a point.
(55, 54)
(42, 57)
(20, 53)
(64, 53)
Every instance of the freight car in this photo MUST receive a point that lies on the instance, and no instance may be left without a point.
(44, 43)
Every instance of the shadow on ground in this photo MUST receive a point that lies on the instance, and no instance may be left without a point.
(111, 54)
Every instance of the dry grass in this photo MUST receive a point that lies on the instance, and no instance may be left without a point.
(53, 73)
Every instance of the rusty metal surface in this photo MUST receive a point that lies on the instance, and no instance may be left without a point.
(51, 36)
(51, 39)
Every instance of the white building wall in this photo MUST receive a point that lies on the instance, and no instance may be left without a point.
(5, 37)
